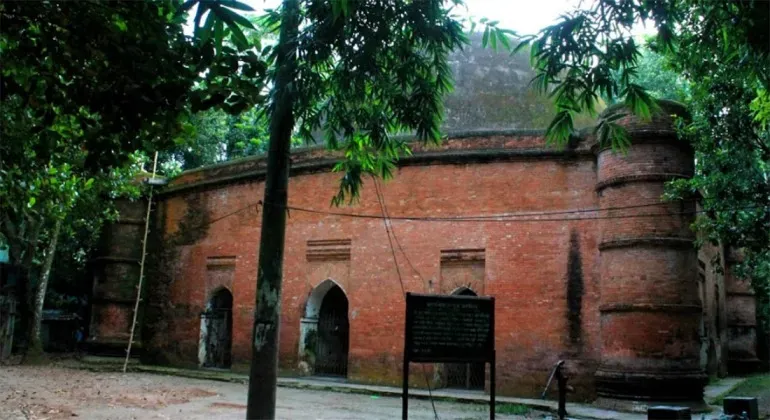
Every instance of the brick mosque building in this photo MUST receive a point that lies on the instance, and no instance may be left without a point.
(586, 263)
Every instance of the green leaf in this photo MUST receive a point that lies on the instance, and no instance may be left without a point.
(121, 24)
(231, 18)
(340, 9)
(219, 33)
(613, 134)
(522, 44)
(31, 202)
(187, 6)
(503, 39)
(206, 30)
(640, 102)
(198, 15)
(560, 129)
(237, 5)
(238, 37)
(485, 37)
(493, 39)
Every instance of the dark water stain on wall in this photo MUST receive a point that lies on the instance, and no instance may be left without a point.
(574, 290)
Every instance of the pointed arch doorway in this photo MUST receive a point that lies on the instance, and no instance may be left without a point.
(215, 347)
(326, 330)
(465, 375)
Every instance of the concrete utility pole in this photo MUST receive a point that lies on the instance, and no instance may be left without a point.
(264, 352)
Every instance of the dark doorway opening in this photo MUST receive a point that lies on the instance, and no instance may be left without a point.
(217, 334)
(465, 375)
(333, 334)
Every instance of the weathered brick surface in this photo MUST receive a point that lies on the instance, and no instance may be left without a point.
(564, 289)
(650, 307)
(110, 322)
(660, 220)
(648, 275)
(117, 280)
(644, 159)
(116, 275)
(524, 264)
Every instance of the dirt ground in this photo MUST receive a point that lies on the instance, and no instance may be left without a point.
(47, 392)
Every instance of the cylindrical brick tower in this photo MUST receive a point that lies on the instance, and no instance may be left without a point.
(650, 308)
(741, 307)
(116, 275)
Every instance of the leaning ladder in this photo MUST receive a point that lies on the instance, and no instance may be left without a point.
(141, 266)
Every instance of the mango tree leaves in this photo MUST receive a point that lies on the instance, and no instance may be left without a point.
(721, 54)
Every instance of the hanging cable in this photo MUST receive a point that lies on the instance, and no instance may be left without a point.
(511, 217)
(378, 190)
(497, 218)
(389, 230)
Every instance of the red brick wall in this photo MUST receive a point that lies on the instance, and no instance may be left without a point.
(525, 264)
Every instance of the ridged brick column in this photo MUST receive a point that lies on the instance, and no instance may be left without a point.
(741, 307)
(116, 273)
(650, 308)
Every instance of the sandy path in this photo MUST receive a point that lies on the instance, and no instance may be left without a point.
(60, 393)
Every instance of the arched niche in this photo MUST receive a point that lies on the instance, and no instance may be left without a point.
(327, 299)
(216, 330)
(469, 376)
(463, 291)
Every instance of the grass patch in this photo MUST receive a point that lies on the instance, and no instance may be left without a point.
(514, 409)
(754, 386)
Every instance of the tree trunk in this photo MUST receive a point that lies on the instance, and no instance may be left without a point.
(35, 349)
(264, 358)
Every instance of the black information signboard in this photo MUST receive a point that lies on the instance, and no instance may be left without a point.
(449, 329)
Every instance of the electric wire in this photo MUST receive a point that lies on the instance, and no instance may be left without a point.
(398, 243)
(452, 218)
(514, 218)
(527, 217)
(499, 218)
(385, 221)
(482, 218)
(390, 231)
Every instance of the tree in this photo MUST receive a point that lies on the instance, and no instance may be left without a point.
(215, 136)
(722, 52)
(76, 107)
(660, 81)
(358, 73)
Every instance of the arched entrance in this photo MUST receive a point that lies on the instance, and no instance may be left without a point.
(217, 331)
(333, 340)
(464, 375)
(325, 331)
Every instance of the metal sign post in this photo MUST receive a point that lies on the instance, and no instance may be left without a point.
(449, 329)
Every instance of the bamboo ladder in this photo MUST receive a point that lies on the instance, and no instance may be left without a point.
(141, 264)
